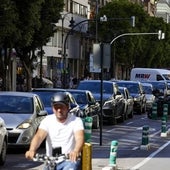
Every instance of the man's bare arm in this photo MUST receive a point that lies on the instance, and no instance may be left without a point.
(35, 143)
(79, 139)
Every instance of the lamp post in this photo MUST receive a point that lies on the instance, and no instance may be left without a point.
(62, 28)
(62, 44)
(159, 33)
(65, 41)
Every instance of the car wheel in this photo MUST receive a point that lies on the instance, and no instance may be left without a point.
(131, 114)
(3, 153)
(125, 116)
(149, 113)
(144, 109)
(122, 118)
(140, 110)
(96, 122)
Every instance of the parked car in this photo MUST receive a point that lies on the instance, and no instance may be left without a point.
(113, 104)
(88, 104)
(136, 91)
(162, 95)
(46, 94)
(160, 88)
(3, 141)
(150, 98)
(129, 102)
(22, 113)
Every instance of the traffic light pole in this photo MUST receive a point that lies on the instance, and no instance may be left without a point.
(102, 19)
(159, 33)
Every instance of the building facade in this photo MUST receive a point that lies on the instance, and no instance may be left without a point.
(67, 54)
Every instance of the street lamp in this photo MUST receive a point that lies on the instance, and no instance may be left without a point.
(62, 43)
(160, 34)
(65, 41)
(62, 27)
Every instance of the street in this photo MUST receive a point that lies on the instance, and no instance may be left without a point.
(129, 137)
(130, 156)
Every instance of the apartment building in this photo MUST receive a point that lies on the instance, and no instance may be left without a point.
(163, 10)
(68, 52)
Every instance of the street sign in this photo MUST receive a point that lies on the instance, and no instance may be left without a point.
(95, 58)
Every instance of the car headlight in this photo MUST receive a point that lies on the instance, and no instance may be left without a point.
(108, 103)
(24, 125)
(137, 99)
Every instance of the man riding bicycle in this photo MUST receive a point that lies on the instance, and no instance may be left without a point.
(61, 129)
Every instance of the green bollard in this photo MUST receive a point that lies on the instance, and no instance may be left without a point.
(113, 153)
(165, 111)
(88, 122)
(164, 127)
(145, 138)
(154, 111)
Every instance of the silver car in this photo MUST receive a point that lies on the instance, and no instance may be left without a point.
(3, 141)
(22, 113)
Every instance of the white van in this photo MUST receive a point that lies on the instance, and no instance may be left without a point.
(149, 74)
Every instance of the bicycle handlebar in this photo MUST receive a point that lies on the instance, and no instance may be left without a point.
(50, 160)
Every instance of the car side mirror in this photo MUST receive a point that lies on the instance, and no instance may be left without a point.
(43, 113)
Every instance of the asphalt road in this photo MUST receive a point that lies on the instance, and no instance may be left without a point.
(130, 156)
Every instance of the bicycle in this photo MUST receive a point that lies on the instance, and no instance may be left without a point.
(50, 161)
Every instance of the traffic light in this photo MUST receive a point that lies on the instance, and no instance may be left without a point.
(133, 21)
(161, 35)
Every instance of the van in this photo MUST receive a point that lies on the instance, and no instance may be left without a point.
(149, 74)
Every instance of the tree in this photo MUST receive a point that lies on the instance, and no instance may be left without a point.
(9, 34)
(26, 26)
(142, 51)
(36, 28)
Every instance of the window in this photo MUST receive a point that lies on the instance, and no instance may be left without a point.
(78, 9)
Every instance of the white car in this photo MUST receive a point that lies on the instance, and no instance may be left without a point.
(3, 141)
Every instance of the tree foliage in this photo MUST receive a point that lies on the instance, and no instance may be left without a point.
(27, 25)
(134, 51)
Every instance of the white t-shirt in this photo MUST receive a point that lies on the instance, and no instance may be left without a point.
(61, 134)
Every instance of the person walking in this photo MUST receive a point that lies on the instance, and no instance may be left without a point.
(61, 129)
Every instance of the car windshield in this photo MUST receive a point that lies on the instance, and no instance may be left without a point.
(132, 87)
(159, 85)
(80, 97)
(147, 89)
(95, 87)
(16, 104)
(45, 97)
(166, 76)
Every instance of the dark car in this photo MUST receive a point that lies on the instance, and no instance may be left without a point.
(46, 94)
(88, 104)
(129, 102)
(136, 91)
(150, 98)
(161, 93)
(113, 104)
(160, 88)
(22, 113)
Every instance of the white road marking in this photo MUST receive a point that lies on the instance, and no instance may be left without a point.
(111, 130)
(150, 156)
(129, 123)
(135, 148)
